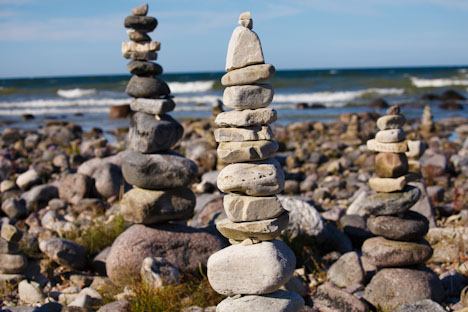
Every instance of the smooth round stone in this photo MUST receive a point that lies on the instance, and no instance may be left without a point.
(399, 147)
(141, 56)
(246, 118)
(152, 106)
(150, 135)
(391, 165)
(140, 10)
(244, 49)
(347, 270)
(147, 87)
(262, 230)
(412, 226)
(171, 169)
(382, 204)
(254, 133)
(391, 122)
(142, 23)
(388, 185)
(232, 152)
(12, 264)
(261, 178)
(138, 36)
(278, 301)
(248, 75)
(148, 207)
(141, 68)
(241, 208)
(248, 96)
(387, 253)
(251, 269)
(391, 288)
(390, 136)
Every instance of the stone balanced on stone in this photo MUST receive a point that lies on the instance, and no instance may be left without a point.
(256, 265)
(399, 233)
(11, 261)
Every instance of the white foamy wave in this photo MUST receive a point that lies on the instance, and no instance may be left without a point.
(440, 82)
(63, 103)
(54, 111)
(75, 93)
(191, 87)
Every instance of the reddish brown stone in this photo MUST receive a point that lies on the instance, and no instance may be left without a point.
(391, 165)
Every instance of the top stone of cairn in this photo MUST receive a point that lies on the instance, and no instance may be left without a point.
(140, 10)
(244, 47)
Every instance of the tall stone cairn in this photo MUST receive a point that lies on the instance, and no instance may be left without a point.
(399, 232)
(256, 265)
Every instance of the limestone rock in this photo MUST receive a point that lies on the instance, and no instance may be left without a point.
(278, 301)
(251, 270)
(391, 165)
(347, 270)
(143, 23)
(152, 106)
(244, 49)
(149, 46)
(233, 152)
(250, 208)
(257, 178)
(399, 147)
(149, 207)
(172, 169)
(387, 253)
(391, 122)
(64, 252)
(248, 96)
(253, 133)
(141, 68)
(388, 185)
(412, 226)
(30, 292)
(28, 179)
(245, 19)
(12, 264)
(390, 136)
(248, 75)
(147, 87)
(140, 10)
(246, 118)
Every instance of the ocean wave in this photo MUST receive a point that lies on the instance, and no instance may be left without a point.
(438, 82)
(75, 93)
(63, 103)
(191, 87)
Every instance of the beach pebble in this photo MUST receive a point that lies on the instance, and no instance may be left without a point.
(251, 269)
(393, 287)
(257, 179)
(140, 10)
(138, 36)
(7, 247)
(248, 96)
(388, 185)
(253, 133)
(131, 46)
(426, 305)
(248, 75)
(390, 136)
(347, 270)
(39, 196)
(232, 152)
(147, 87)
(246, 118)
(28, 179)
(391, 122)
(149, 135)
(172, 170)
(149, 207)
(399, 147)
(141, 56)
(152, 106)
(383, 252)
(328, 297)
(14, 208)
(412, 226)
(12, 264)
(64, 252)
(415, 148)
(391, 165)
(241, 208)
(7, 185)
(244, 49)
(278, 301)
(141, 68)
(142, 23)
(108, 180)
(74, 187)
(10, 233)
(30, 292)
(267, 229)
(157, 272)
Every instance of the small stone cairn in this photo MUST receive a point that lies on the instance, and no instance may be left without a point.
(256, 265)
(399, 232)
(427, 121)
(11, 261)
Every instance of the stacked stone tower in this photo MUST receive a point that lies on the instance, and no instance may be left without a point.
(399, 232)
(256, 265)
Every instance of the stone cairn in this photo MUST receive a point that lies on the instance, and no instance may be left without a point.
(256, 265)
(399, 232)
(11, 261)
(427, 121)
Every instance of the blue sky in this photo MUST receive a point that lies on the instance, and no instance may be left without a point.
(71, 37)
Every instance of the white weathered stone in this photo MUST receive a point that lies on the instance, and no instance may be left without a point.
(12, 264)
(390, 136)
(131, 46)
(28, 179)
(140, 10)
(246, 118)
(7, 185)
(244, 49)
(245, 19)
(248, 96)
(157, 272)
(399, 147)
(388, 185)
(10, 233)
(152, 106)
(254, 133)
(253, 269)
(30, 292)
(233, 152)
(248, 75)
(240, 208)
(257, 178)
(391, 122)
(278, 301)
(415, 148)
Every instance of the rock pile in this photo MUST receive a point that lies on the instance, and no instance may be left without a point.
(400, 232)
(256, 265)
(159, 176)
(427, 122)
(11, 260)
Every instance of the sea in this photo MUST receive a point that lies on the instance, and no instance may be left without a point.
(85, 100)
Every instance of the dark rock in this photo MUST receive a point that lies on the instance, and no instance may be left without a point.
(147, 87)
(412, 226)
(452, 95)
(141, 68)
(423, 205)
(451, 106)
(336, 240)
(317, 106)
(302, 105)
(39, 196)
(209, 213)
(379, 103)
(430, 97)
(99, 262)
(119, 111)
(327, 297)
(355, 227)
(64, 252)
(453, 283)
(172, 169)
(185, 247)
(435, 193)
(142, 23)
(138, 36)
(149, 135)
(74, 187)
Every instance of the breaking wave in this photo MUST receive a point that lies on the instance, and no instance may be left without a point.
(439, 82)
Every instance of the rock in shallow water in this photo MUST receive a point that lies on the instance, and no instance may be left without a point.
(278, 301)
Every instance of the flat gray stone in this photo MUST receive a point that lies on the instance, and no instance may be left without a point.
(261, 178)
(148, 207)
(244, 49)
(278, 301)
(347, 270)
(246, 118)
(412, 226)
(240, 208)
(248, 75)
(233, 152)
(143, 23)
(248, 96)
(147, 87)
(64, 252)
(391, 122)
(253, 133)
(251, 269)
(172, 169)
(152, 106)
(142, 68)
